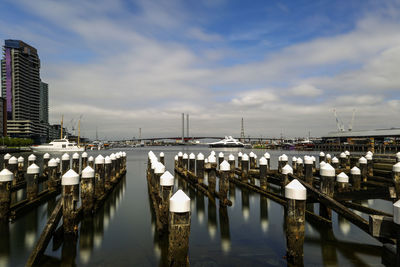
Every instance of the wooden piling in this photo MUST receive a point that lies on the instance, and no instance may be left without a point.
(20, 171)
(220, 158)
(263, 173)
(286, 170)
(166, 189)
(46, 158)
(99, 177)
(13, 167)
(31, 159)
(300, 168)
(294, 163)
(240, 155)
(245, 168)
(84, 161)
(58, 166)
(370, 165)
(192, 162)
(65, 163)
(52, 175)
(158, 171)
(87, 190)
(212, 175)
(328, 158)
(363, 167)
(107, 173)
(231, 161)
(342, 181)
(75, 162)
(180, 156)
(162, 158)
(283, 161)
(113, 167)
(224, 182)
(356, 178)
(398, 157)
(32, 182)
(185, 161)
(6, 178)
(5, 160)
(348, 161)
(343, 160)
(327, 173)
(70, 187)
(296, 195)
(396, 178)
(308, 170)
(335, 163)
(268, 157)
(252, 160)
(179, 229)
(91, 162)
(200, 168)
(321, 157)
(396, 220)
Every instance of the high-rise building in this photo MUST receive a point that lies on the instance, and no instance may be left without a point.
(44, 103)
(20, 71)
(3, 117)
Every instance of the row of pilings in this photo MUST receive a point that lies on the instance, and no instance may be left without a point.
(336, 182)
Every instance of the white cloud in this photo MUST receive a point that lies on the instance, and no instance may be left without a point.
(306, 90)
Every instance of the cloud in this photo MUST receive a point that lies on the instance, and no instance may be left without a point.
(200, 35)
(255, 98)
(307, 90)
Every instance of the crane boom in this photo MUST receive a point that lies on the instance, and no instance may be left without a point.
(352, 120)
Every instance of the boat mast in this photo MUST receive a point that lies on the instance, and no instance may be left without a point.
(62, 119)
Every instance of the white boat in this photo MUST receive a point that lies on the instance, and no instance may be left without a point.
(58, 145)
(229, 141)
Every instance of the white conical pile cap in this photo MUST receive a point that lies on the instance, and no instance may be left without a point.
(284, 157)
(343, 155)
(150, 154)
(398, 155)
(179, 202)
(342, 178)
(20, 160)
(313, 158)
(308, 160)
(267, 155)
(287, 169)
(75, 156)
(107, 160)
(13, 160)
(212, 159)
(176, 158)
(159, 168)
(212, 153)
(6, 176)
(370, 153)
(33, 169)
(192, 156)
(123, 154)
(32, 157)
(65, 157)
(58, 160)
(396, 167)
(185, 156)
(368, 157)
(99, 159)
(240, 154)
(84, 155)
(327, 170)
(153, 164)
(295, 190)
(52, 163)
(231, 157)
(225, 166)
(200, 156)
(90, 158)
(112, 157)
(221, 155)
(263, 161)
(255, 156)
(7, 156)
(335, 160)
(206, 161)
(46, 156)
(396, 212)
(294, 159)
(328, 156)
(362, 160)
(299, 161)
(118, 156)
(167, 179)
(321, 164)
(321, 154)
(280, 158)
(251, 155)
(355, 171)
(347, 153)
(180, 154)
(161, 154)
(245, 157)
(70, 178)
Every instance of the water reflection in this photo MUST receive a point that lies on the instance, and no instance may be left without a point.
(224, 229)
(245, 204)
(4, 244)
(212, 219)
(264, 214)
(200, 207)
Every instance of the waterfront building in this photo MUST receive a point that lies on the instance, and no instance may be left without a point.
(3, 117)
(44, 103)
(21, 86)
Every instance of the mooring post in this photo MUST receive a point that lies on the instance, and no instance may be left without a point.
(224, 181)
(118, 170)
(180, 156)
(327, 173)
(113, 167)
(328, 158)
(245, 168)
(231, 161)
(321, 156)
(179, 229)
(99, 177)
(200, 168)
(284, 161)
(13, 167)
(348, 163)
(343, 160)
(70, 187)
(46, 158)
(124, 161)
(75, 162)
(87, 190)
(32, 183)
(5, 162)
(342, 182)
(212, 175)
(91, 161)
(52, 181)
(363, 167)
(220, 158)
(6, 178)
(268, 157)
(31, 159)
(335, 163)
(84, 161)
(308, 172)
(162, 158)
(166, 189)
(263, 173)
(286, 170)
(296, 195)
(185, 162)
(396, 178)
(396, 220)
(356, 178)
(294, 162)
(20, 172)
(65, 164)
(158, 171)
(314, 167)
(240, 155)
(398, 157)
(252, 160)
(107, 173)
(370, 165)
(300, 168)
(192, 162)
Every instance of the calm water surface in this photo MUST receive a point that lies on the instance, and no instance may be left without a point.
(251, 232)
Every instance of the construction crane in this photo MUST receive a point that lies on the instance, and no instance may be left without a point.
(339, 123)
(352, 120)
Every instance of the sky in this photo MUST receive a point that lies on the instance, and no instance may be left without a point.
(282, 66)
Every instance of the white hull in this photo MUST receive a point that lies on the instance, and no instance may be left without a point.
(54, 149)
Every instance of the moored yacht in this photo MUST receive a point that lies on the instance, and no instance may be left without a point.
(228, 141)
(58, 145)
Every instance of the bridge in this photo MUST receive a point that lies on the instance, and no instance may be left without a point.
(187, 139)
